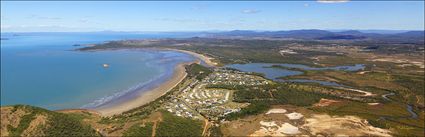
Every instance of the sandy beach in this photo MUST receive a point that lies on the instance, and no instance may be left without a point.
(148, 96)
(207, 60)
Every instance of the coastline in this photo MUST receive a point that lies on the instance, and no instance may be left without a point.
(148, 96)
(204, 58)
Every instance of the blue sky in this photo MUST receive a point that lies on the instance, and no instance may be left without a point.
(206, 16)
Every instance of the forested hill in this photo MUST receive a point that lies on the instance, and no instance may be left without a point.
(24, 120)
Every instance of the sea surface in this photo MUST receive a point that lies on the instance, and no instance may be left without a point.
(45, 70)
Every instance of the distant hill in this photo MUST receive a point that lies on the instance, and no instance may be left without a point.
(304, 34)
(314, 34)
(341, 37)
(412, 34)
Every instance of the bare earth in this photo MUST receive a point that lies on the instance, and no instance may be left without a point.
(300, 122)
(10, 118)
(325, 102)
(342, 126)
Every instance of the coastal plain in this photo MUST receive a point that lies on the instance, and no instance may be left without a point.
(209, 97)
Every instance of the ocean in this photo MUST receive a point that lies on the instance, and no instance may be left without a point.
(45, 70)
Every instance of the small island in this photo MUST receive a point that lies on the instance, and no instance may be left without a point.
(105, 65)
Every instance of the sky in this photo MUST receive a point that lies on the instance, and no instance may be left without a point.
(82, 16)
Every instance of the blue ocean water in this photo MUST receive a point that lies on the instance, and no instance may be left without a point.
(43, 69)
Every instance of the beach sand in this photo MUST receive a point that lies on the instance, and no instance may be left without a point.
(148, 96)
(151, 95)
(207, 60)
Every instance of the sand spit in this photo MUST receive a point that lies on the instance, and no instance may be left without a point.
(207, 60)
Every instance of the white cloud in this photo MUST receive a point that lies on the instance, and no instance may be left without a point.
(49, 18)
(332, 1)
(4, 17)
(5, 26)
(200, 7)
(250, 11)
(178, 20)
(83, 20)
(33, 16)
(44, 28)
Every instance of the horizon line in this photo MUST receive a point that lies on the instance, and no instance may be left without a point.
(181, 31)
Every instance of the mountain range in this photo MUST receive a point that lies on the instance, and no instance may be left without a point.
(314, 34)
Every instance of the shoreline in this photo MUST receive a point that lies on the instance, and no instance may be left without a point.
(205, 59)
(151, 95)
(148, 95)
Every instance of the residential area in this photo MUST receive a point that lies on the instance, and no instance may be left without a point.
(205, 98)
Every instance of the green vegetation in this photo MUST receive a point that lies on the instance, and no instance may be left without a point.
(256, 107)
(390, 115)
(215, 131)
(262, 97)
(245, 51)
(197, 71)
(58, 124)
(64, 125)
(139, 130)
(408, 86)
(136, 113)
(298, 98)
(237, 51)
(407, 83)
(282, 93)
(416, 84)
(23, 124)
(178, 126)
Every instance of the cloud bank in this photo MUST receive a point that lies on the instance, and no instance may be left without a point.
(332, 1)
(250, 11)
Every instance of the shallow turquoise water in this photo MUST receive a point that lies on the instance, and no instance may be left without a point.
(42, 69)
